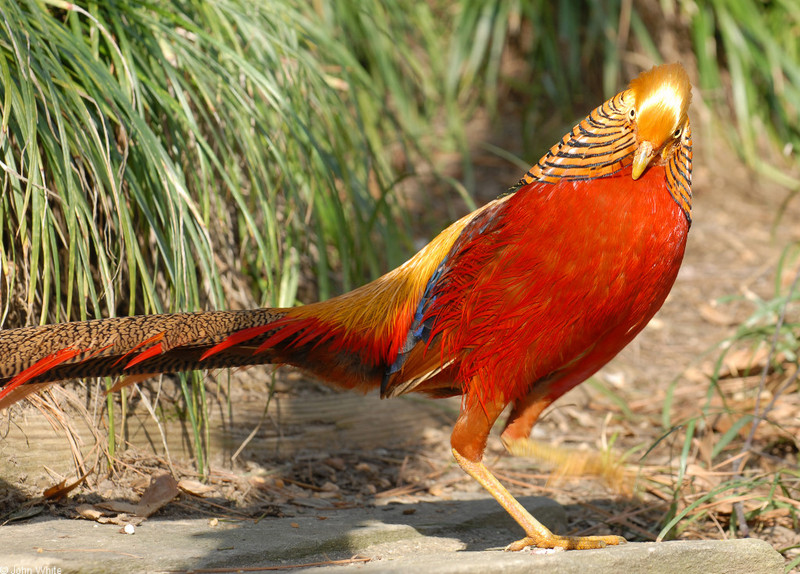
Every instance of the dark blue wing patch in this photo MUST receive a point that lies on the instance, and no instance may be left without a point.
(422, 325)
(419, 330)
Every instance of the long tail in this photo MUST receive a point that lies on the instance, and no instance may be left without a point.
(32, 357)
(349, 341)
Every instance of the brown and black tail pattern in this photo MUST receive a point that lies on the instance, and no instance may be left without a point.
(31, 357)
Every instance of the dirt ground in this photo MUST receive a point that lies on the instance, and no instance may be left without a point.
(731, 263)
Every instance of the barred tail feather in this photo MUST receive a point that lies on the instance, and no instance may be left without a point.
(31, 357)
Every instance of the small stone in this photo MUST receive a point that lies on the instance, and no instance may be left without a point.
(329, 487)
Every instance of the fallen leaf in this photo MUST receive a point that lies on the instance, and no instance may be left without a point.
(61, 489)
(141, 483)
(195, 487)
(335, 462)
(744, 362)
(329, 487)
(25, 513)
(162, 490)
(89, 511)
(715, 316)
(119, 506)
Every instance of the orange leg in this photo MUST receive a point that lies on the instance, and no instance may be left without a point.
(524, 415)
(469, 441)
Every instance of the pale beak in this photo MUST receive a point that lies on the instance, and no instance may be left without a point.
(641, 159)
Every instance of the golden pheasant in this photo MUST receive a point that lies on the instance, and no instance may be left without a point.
(515, 303)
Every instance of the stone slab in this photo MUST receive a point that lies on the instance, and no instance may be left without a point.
(440, 536)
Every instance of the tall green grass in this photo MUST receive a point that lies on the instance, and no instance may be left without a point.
(744, 55)
(180, 155)
(748, 63)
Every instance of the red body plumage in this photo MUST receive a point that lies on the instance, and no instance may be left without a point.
(562, 278)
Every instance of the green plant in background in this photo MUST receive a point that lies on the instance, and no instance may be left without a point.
(746, 53)
(748, 61)
(201, 130)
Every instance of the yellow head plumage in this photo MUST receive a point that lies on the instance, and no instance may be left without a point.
(659, 111)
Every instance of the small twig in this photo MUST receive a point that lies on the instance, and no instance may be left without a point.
(217, 507)
(418, 486)
(303, 485)
(87, 550)
(150, 409)
(621, 519)
(353, 560)
(264, 417)
(720, 529)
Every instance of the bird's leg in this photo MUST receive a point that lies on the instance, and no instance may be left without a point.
(537, 533)
(516, 435)
(516, 439)
(469, 441)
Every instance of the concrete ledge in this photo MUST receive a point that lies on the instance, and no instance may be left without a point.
(748, 556)
(462, 536)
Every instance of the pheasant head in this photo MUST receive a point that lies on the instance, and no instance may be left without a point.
(658, 111)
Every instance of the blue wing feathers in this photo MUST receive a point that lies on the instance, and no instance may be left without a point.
(425, 313)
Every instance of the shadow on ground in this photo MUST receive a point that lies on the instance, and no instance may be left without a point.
(465, 535)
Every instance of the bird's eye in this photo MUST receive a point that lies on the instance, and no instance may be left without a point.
(632, 114)
(677, 133)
